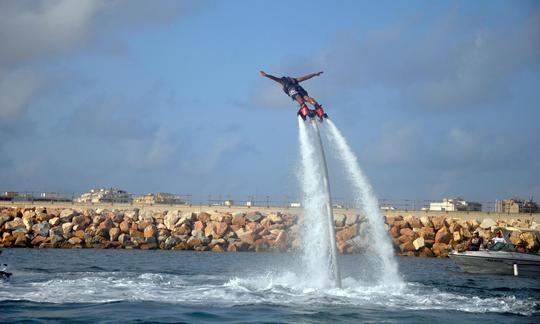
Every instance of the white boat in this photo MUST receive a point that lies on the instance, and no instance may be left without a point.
(498, 262)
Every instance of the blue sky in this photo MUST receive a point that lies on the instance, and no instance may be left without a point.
(436, 98)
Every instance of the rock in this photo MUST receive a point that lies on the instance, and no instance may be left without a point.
(441, 249)
(246, 236)
(425, 222)
(443, 236)
(98, 218)
(438, 223)
(55, 221)
(347, 233)
(418, 243)
(170, 242)
(394, 231)
(4, 219)
(198, 226)
(184, 229)
(80, 234)
(124, 226)
(254, 216)
(203, 217)
(20, 240)
(132, 214)
(426, 233)
(194, 242)
(81, 220)
(123, 238)
(404, 239)
(114, 233)
(116, 216)
(150, 231)
(66, 229)
(407, 247)
(75, 241)
(66, 215)
(425, 252)
(488, 223)
(238, 219)
(171, 219)
(43, 217)
(149, 246)
(530, 240)
(407, 231)
(275, 218)
(42, 228)
(15, 224)
(56, 239)
(220, 229)
(339, 220)
(38, 240)
(217, 248)
(457, 236)
(351, 219)
(106, 224)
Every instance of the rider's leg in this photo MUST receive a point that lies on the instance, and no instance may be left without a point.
(319, 111)
(311, 101)
(304, 110)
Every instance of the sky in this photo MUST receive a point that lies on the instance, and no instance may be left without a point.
(437, 98)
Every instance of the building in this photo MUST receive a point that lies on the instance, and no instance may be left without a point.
(515, 205)
(455, 204)
(105, 196)
(159, 198)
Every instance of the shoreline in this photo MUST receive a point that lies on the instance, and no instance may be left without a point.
(232, 229)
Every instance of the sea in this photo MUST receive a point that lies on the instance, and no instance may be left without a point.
(123, 286)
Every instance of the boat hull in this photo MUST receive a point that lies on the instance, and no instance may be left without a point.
(498, 262)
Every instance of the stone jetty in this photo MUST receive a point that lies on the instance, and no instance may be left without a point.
(41, 227)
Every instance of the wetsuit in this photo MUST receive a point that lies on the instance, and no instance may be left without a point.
(292, 87)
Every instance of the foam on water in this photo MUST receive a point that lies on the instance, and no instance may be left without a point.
(281, 289)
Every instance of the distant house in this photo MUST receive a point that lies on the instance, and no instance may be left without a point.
(159, 198)
(105, 196)
(515, 205)
(455, 204)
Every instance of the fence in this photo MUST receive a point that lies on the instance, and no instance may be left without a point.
(260, 201)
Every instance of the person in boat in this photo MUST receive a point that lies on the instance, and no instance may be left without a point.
(476, 242)
(291, 86)
(497, 242)
(4, 274)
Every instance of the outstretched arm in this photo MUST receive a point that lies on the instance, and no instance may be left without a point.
(269, 76)
(309, 76)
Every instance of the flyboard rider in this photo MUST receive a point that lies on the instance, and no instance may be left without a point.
(291, 86)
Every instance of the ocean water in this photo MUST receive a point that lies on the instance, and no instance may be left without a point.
(184, 286)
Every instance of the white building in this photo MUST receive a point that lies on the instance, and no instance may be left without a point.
(106, 195)
(455, 204)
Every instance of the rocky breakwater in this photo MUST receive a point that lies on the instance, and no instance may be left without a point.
(437, 236)
(133, 229)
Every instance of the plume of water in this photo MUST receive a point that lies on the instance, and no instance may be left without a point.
(380, 250)
(319, 252)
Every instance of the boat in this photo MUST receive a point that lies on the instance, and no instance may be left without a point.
(498, 262)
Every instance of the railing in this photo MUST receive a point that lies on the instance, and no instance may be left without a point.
(227, 200)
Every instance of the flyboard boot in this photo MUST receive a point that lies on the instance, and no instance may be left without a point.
(319, 111)
(304, 111)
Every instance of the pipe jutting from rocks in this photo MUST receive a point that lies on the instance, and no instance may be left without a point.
(40, 227)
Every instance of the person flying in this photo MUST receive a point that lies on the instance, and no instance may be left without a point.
(291, 86)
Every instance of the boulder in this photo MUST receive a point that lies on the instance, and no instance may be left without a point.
(347, 233)
(441, 249)
(351, 219)
(171, 218)
(488, 223)
(407, 247)
(438, 223)
(116, 216)
(150, 231)
(42, 228)
(3, 219)
(20, 240)
(425, 252)
(67, 214)
(125, 226)
(123, 238)
(530, 240)
(15, 224)
(246, 236)
(253, 216)
(407, 231)
(66, 229)
(80, 234)
(55, 221)
(418, 243)
(132, 214)
(443, 236)
(169, 243)
(203, 217)
(275, 218)
(75, 241)
(339, 220)
(198, 226)
(220, 229)
(114, 233)
(425, 221)
(457, 236)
